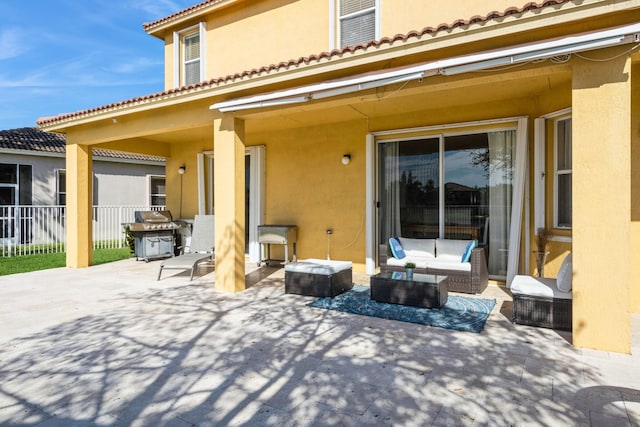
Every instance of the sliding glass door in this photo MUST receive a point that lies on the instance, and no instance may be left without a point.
(454, 186)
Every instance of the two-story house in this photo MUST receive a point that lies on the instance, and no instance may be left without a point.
(374, 117)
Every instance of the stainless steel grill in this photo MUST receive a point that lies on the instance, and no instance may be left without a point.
(154, 234)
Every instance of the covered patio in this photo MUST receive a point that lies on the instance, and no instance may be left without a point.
(110, 345)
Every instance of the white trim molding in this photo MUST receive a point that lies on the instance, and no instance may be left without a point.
(177, 42)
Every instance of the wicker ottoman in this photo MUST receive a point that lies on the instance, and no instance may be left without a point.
(538, 302)
(318, 277)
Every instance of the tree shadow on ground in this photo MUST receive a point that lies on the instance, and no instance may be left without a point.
(190, 355)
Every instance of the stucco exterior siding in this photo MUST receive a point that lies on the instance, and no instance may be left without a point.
(43, 175)
(601, 229)
(123, 184)
(114, 183)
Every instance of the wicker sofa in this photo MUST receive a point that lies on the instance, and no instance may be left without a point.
(469, 277)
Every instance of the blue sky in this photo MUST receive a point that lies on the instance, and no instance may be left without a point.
(61, 56)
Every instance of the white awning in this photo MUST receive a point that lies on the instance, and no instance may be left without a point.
(451, 66)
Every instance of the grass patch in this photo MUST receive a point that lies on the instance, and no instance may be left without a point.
(26, 263)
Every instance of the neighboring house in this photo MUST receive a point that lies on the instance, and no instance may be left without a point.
(32, 173)
(534, 106)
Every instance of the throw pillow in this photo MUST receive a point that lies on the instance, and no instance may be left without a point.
(466, 256)
(396, 248)
(563, 281)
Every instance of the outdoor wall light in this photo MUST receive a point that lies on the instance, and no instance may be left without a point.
(182, 169)
(346, 159)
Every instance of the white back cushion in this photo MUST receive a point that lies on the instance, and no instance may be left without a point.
(450, 249)
(565, 274)
(418, 247)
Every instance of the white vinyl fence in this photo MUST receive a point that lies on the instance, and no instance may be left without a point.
(26, 230)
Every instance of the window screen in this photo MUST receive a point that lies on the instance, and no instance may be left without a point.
(563, 174)
(357, 21)
(191, 54)
(158, 191)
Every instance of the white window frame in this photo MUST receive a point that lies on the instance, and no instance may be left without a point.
(335, 21)
(61, 191)
(557, 172)
(178, 63)
(16, 186)
(150, 179)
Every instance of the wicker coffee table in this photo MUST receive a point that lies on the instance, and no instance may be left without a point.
(422, 290)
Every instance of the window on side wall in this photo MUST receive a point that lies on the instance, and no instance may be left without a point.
(357, 21)
(15, 184)
(62, 187)
(563, 175)
(157, 191)
(189, 56)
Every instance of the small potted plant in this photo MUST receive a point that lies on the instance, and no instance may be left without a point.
(409, 266)
(542, 242)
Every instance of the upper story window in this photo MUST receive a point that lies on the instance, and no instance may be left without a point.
(189, 55)
(562, 174)
(357, 21)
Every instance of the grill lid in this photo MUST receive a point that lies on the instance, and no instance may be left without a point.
(153, 216)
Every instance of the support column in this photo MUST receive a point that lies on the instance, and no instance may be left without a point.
(229, 202)
(602, 203)
(635, 190)
(79, 244)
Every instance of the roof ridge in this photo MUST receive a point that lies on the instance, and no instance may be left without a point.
(148, 25)
(530, 6)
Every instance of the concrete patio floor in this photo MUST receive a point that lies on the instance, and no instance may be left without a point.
(109, 345)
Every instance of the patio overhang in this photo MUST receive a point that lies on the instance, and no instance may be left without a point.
(476, 62)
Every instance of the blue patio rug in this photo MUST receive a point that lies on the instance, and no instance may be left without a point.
(459, 313)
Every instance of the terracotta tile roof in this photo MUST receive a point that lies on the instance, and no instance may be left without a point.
(33, 139)
(185, 12)
(336, 53)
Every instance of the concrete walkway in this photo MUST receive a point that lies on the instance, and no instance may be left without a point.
(108, 345)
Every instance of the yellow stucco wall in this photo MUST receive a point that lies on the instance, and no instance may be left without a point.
(229, 172)
(601, 203)
(184, 187)
(79, 246)
(259, 33)
(401, 20)
(307, 185)
(635, 189)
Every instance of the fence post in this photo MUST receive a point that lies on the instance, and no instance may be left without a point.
(119, 226)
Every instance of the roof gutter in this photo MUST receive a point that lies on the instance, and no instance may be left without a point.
(447, 67)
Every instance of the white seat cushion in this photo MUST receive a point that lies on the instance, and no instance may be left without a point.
(324, 267)
(420, 262)
(450, 265)
(538, 287)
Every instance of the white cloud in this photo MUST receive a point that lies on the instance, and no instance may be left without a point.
(12, 43)
(157, 9)
(133, 66)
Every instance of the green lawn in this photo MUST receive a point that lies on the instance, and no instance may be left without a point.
(25, 263)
